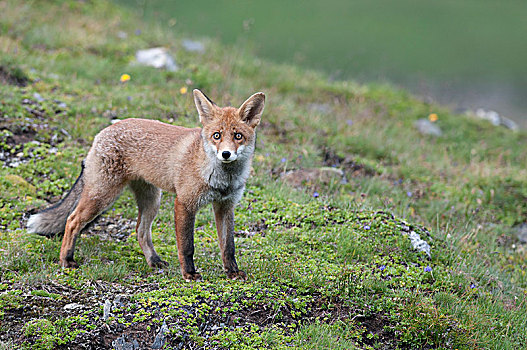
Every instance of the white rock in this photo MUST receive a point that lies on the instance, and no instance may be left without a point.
(157, 57)
(38, 97)
(419, 244)
(495, 118)
(106, 310)
(491, 116)
(122, 35)
(72, 306)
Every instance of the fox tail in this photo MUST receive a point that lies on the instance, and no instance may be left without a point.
(52, 221)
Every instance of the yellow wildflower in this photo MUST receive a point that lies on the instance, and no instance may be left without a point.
(183, 90)
(432, 117)
(124, 78)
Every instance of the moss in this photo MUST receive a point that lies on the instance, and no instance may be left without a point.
(10, 300)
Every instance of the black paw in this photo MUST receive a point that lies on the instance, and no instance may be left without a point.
(189, 277)
(156, 262)
(238, 275)
(68, 264)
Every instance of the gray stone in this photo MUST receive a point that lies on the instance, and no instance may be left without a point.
(117, 301)
(160, 339)
(121, 344)
(322, 108)
(509, 123)
(426, 127)
(520, 232)
(65, 132)
(193, 46)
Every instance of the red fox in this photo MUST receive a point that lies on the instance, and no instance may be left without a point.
(201, 165)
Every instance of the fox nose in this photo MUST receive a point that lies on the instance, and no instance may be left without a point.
(226, 154)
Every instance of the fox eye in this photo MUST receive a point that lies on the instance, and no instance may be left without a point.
(216, 136)
(238, 136)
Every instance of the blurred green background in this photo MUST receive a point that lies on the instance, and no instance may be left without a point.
(465, 53)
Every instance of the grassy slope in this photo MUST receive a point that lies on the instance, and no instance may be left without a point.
(334, 271)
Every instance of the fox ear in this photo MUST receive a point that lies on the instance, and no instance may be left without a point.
(204, 105)
(251, 110)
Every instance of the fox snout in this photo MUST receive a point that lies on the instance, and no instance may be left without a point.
(227, 156)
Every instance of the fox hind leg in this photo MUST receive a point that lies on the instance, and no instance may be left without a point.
(88, 208)
(148, 198)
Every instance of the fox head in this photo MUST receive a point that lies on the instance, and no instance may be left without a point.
(228, 132)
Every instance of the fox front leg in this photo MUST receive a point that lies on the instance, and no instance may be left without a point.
(184, 221)
(224, 215)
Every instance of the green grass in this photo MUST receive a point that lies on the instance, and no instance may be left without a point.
(414, 36)
(334, 271)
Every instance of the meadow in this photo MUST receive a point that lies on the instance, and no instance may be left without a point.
(330, 260)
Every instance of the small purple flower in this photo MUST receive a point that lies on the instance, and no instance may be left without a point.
(366, 227)
(382, 267)
(283, 160)
(137, 32)
(129, 98)
(409, 194)
(472, 286)
(349, 122)
(267, 154)
(315, 194)
(428, 269)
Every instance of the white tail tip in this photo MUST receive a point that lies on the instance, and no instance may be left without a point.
(33, 223)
